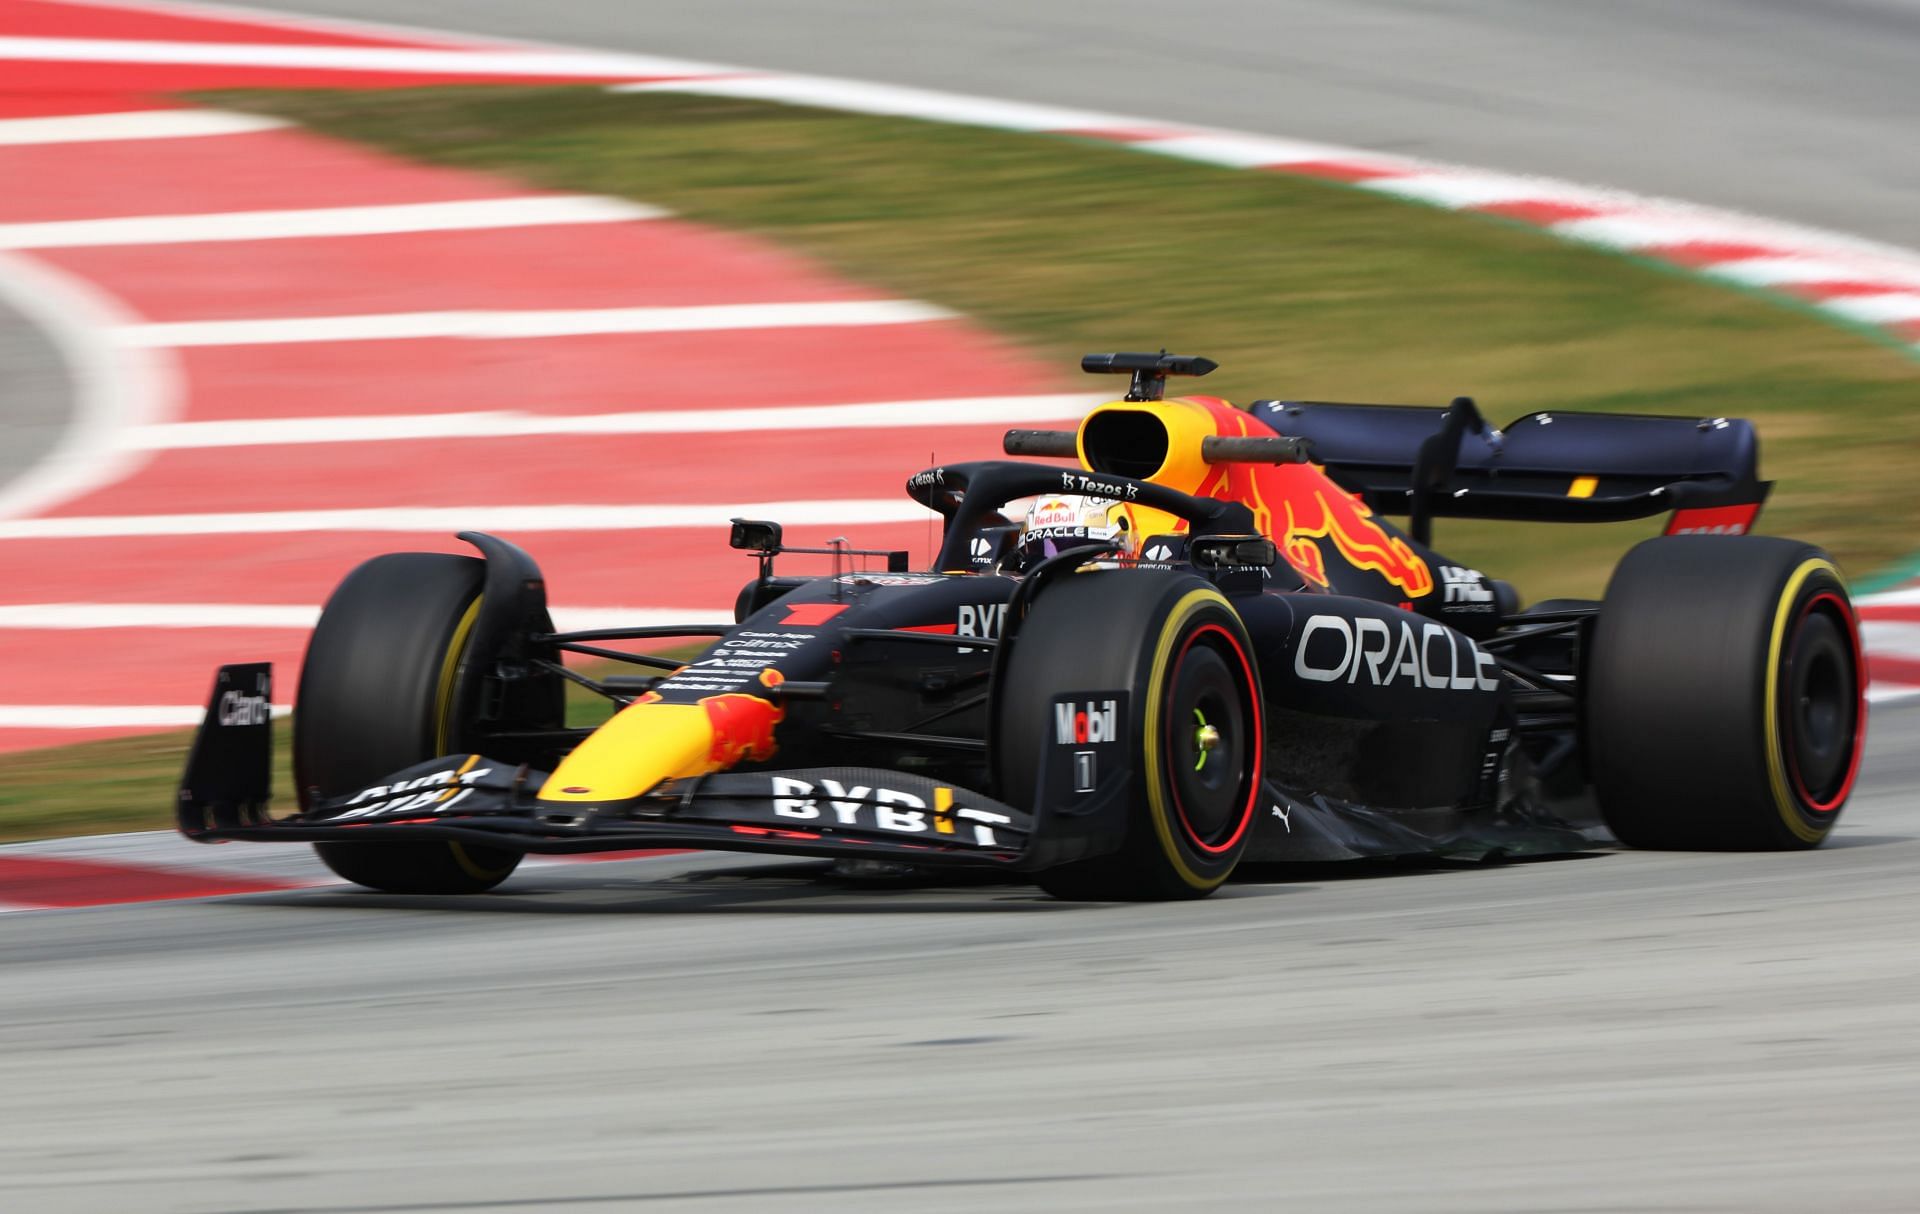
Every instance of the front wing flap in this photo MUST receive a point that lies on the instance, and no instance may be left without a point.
(826, 811)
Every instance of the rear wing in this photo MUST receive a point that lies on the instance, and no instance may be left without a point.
(1544, 467)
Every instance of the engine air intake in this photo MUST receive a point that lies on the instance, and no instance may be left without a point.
(1125, 442)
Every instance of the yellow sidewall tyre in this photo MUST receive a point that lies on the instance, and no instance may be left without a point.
(1195, 739)
(1724, 704)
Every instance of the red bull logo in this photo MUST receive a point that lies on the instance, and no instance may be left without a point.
(742, 728)
(1298, 506)
(1315, 508)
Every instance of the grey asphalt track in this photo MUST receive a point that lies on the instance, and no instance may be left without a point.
(1624, 1031)
(1620, 1031)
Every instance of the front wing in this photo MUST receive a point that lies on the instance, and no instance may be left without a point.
(824, 811)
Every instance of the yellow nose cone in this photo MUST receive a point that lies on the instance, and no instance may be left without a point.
(647, 742)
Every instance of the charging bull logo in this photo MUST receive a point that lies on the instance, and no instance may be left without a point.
(1298, 506)
(742, 728)
(1324, 510)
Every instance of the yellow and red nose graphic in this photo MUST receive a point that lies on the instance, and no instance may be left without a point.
(649, 741)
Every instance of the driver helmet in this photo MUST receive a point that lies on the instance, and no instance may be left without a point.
(1059, 521)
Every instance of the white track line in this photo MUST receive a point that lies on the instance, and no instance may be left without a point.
(581, 65)
(442, 427)
(137, 124)
(57, 617)
(1904, 596)
(109, 716)
(554, 323)
(482, 213)
(458, 518)
(861, 97)
(65, 617)
(115, 388)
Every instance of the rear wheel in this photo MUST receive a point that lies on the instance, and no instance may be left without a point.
(377, 695)
(1178, 650)
(1724, 704)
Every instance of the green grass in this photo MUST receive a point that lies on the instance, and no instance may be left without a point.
(128, 783)
(96, 788)
(1300, 289)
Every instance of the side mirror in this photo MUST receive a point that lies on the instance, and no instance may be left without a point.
(1229, 551)
(755, 535)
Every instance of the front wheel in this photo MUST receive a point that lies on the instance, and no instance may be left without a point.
(1725, 705)
(1195, 737)
(377, 695)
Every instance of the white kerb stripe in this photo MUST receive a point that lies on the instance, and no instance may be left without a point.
(497, 325)
(1454, 190)
(1791, 271)
(584, 65)
(135, 124)
(442, 427)
(1881, 693)
(86, 617)
(1259, 151)
(1639, 229)
(861, 97)
(1876, 309)
(107, 716)
(483, 213)
(460, 518)
(1891, 637)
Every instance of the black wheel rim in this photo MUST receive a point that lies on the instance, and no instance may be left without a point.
(1819, 712)
(1205, 745)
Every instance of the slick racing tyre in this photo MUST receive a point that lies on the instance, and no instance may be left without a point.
(1724, 702)
(1193, 731)
(376, 695)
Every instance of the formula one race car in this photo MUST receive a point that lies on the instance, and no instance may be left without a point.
(1196, 644)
